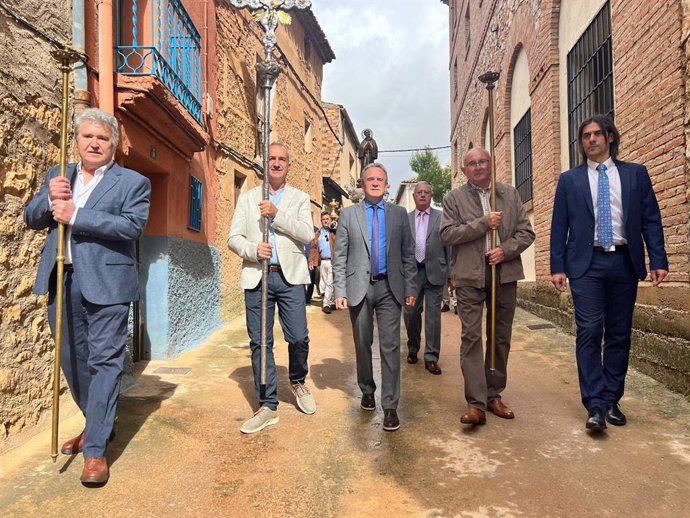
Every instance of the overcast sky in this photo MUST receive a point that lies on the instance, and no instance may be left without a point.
(390, 73)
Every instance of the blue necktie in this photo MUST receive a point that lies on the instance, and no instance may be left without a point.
(604, 225)
(375, 242)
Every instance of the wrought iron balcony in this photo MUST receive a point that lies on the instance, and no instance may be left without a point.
(163, 42)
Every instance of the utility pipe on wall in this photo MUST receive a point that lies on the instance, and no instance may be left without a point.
(106, 81)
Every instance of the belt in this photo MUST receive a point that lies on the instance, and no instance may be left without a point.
(274, 268)
(614, 248)
(380, 277)
(68, 267)
(325, 258)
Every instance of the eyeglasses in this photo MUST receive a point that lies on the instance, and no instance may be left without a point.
(479, 163)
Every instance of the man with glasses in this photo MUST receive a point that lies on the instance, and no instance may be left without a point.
(466, 226)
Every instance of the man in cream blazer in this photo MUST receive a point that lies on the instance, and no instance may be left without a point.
(290, 229)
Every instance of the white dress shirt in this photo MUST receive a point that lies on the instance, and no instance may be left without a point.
(616, 198)
(80, 195)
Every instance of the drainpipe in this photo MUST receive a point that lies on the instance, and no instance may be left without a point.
(106, 75)
(82, 98)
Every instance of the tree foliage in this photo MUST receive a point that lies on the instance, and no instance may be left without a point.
(429, 169)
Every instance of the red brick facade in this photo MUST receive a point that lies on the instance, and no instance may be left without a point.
(651, 108)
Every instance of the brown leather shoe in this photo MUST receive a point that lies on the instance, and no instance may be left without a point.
(74, 445)
(497, 407)
(95, 471)
(473, 416)
(433, 367)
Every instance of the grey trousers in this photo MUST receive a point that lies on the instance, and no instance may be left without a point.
(380, 300)
(482, 385)
(429, 302)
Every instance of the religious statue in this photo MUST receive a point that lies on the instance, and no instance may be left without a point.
(368, 151)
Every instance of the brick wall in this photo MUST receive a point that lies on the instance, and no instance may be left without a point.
(650, 65)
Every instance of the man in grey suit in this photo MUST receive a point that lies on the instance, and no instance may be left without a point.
(105, 208)
(432, 274)
(374, 271)
(291, 227)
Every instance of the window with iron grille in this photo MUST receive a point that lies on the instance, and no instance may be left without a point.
(590, 77)
(522, 142)
(195, 196)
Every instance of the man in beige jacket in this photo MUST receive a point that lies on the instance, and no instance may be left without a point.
(290, 228)
(465, 226)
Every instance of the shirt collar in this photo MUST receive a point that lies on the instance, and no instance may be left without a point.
(418, 212)
(368, 204)
(99, 172)
(477, 188)
(608, 163)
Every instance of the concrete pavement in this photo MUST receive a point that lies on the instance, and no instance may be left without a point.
(178, 451)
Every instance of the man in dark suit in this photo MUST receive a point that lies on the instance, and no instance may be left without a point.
(374, 271)
(603, 212)
(432, 274)
(105, 208)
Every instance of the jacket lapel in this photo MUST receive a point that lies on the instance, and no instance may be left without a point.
(362, 220)
(582, 178)
(110, 178)
(433, 216)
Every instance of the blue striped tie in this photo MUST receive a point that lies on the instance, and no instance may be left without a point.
(604, 224)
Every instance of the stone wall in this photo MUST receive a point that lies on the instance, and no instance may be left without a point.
(30, 89)
(293, 103)
(650, 49)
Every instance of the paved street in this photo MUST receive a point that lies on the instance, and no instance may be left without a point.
(178, 451)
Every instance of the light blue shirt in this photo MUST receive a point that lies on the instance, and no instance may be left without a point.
(275, 198)
(369, 209)
(324, 244)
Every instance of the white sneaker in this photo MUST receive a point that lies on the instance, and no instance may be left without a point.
(305, 400)
(262, 418)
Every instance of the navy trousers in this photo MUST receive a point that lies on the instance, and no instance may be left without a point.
(93, 355)
(293, 319)
(604, 300)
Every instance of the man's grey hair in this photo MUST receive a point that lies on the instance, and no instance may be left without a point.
(423, 182)
(280, 144)
(101, 118)
(464, 156)
(372, 165)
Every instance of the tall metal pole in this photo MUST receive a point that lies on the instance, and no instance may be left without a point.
(489, 79)
(267, 72)
(66, 59)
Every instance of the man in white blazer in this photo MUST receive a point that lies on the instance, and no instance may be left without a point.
(104, 208)
(290, 229)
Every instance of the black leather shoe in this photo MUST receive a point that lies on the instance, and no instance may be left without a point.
(412, 358)
(595, 421)
(326, 309)
(433, 368)
(368, 402)
(390, 420)
(614, 415)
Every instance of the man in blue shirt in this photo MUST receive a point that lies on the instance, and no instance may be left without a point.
(375, 272)
(321, 256)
